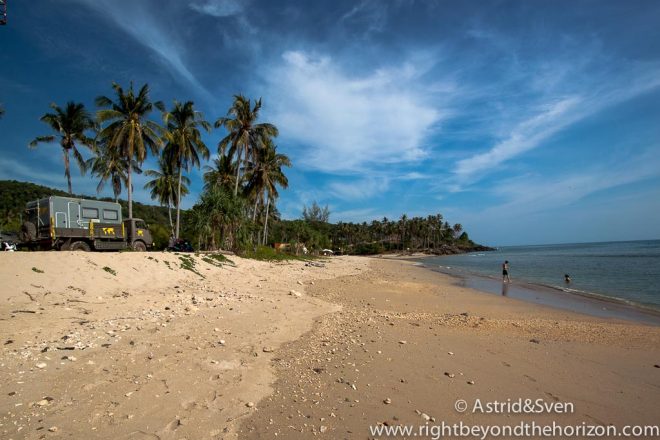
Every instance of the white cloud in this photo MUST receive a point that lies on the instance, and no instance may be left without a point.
(217, 8)
(525, 136)
(556, 114)
(345, 122)
(153, 32)
(359, 189)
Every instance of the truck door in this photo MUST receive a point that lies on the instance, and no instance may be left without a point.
(74, 215)
(60, 220)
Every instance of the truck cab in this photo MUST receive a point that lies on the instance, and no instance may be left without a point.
(138, 236)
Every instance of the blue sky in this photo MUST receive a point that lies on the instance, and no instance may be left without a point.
(527, 122)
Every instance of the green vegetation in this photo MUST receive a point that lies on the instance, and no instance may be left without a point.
(217, 260)
(110, 270)
(188, 263)
(237, 209)
(127, 131)
(34, 269)
(266, 253)
(70, 124)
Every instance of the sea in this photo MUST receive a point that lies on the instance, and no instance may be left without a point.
(624, 271)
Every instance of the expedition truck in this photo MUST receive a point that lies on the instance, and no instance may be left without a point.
(72, 224)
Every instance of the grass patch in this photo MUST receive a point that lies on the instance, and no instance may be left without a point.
(188, 263)
(110, 270)
(167, 263)
(266, 253)
(34, 269)
(217, 260)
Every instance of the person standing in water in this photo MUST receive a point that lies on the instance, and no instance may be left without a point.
(505, 272)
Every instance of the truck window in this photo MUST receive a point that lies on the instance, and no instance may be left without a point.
(140, 225)
(110, 214)
(90, 213)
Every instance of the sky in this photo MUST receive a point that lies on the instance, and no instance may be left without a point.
(528, 122)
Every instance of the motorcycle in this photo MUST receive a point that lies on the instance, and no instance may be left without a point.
(180, 245)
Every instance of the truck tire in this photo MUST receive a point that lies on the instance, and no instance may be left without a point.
(139, 246)
(79, 246)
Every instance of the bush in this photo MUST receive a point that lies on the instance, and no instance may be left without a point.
(368, 249)
(267, 253)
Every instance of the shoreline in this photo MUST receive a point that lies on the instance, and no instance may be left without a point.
(591, 303)
(257, 348)
(408, 342)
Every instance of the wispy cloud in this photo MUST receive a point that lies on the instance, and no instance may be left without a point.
(525, 136)
(360, 189)
(217, 8)
(368, 14)
(345, 121)
(139, 20)
(549, 118)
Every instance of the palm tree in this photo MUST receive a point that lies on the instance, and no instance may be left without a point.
(184, 143)
(266, 173)
(70, 123)
(244, 136)
(164, 186)
(221, 175)
(108, 164)
(128, 130)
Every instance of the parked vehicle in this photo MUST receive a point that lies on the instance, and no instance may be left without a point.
(180, 245)
(66, 223)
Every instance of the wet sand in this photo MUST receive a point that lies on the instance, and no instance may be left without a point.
(409, 342)
(133, 346)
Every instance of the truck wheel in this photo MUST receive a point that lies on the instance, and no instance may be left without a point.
(79, 246)
(139, 246)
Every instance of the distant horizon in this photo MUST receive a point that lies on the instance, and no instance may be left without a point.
(523, 122)
(572, 243)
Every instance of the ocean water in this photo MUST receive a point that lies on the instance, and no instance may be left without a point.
(628, 271)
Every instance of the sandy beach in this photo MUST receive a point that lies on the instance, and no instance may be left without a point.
(290, 350)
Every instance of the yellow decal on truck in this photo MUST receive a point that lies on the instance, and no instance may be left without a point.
(52, 228)
(91, 230)
(140, 232)
(108, 231)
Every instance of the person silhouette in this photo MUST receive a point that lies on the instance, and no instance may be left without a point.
(505, 272)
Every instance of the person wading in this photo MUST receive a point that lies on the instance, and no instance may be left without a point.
(505, 272)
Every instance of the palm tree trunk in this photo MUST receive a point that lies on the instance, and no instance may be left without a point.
(67, 171)
(254, 214)
(169, 213)
(238, 169)
(129, 187)
(178, 202)
(266, 220)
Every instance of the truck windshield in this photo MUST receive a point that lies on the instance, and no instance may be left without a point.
(140, 225)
